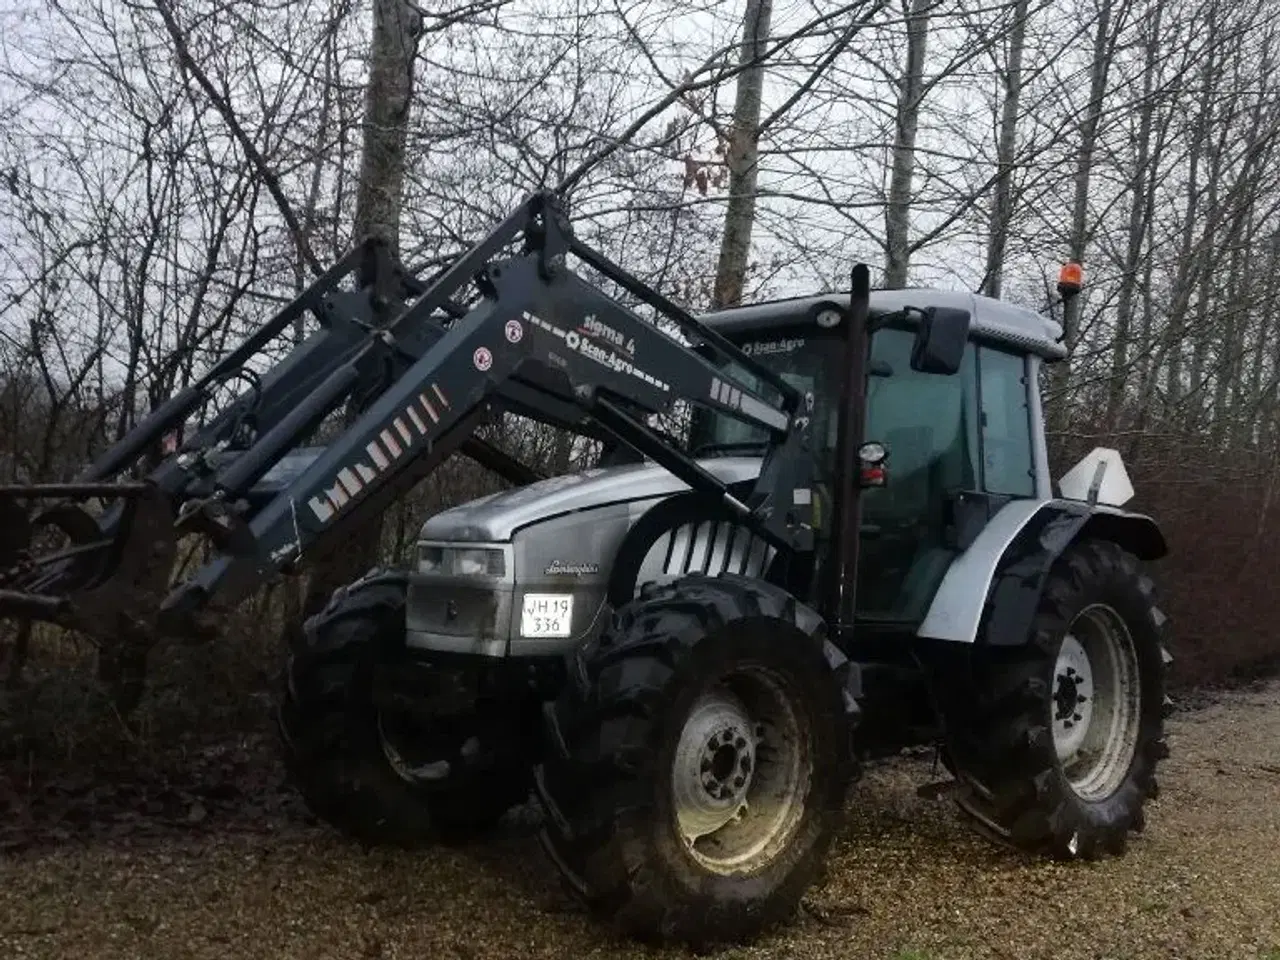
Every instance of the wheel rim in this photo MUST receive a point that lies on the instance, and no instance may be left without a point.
(741, 773)
(1095, 702)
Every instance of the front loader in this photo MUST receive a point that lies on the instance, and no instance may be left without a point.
(686, 651)
(431, 371)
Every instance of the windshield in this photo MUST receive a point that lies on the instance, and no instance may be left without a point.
(805, 362)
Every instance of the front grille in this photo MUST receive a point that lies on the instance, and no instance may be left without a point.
(453, 610)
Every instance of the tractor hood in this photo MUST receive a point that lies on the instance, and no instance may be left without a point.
(497, 517)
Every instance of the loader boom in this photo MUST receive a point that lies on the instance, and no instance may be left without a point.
(539, 340)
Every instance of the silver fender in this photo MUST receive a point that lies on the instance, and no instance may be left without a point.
(1022, 541)
(956, 611)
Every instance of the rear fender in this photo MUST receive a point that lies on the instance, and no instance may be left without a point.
(1001, 575)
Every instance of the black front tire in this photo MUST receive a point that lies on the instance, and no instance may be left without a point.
(333, 743)
(609, 778)
(1014, 787)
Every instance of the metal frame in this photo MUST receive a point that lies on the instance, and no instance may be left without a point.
(426, 372)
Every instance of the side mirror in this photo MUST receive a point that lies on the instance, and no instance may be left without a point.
(940, 340)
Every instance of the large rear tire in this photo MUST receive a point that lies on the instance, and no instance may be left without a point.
(350, 771)
(698, 762)
(1058, 755)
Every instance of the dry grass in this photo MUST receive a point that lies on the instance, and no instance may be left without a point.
(906, 881)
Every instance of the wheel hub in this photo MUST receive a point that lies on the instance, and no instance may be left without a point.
(740, 772)
(714, 765)
(1095, 709)
(1072, 697)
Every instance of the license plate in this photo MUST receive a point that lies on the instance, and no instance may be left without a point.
(546, 615)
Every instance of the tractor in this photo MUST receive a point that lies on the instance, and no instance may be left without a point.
(817, 531)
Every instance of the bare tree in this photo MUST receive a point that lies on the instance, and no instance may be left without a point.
(743, 157)
(1105, 37)
(1006, 151)
(379, 201)
(388, 96)
(897, 214)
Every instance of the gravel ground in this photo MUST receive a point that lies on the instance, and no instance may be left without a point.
(907, 882)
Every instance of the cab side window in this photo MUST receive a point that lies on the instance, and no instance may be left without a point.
(929, 424)
(1007, 465)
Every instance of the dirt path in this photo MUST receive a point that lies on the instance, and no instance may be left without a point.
(907, 881)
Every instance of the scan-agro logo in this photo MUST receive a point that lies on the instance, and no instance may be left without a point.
(602, 331)
(762, 348)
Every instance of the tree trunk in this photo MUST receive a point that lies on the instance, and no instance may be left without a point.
(1084, 157)
(1267, 334)
(1184, 279)
(1244, 390)
(1006, 152)
(1238, 330)
(1139, 213)
(310, 209)
(1151, 345)
(1270, 393)
(1201, 332)
(743, 159)
(388, 96)
(1079, 239)
(897, 215)
(379, 199)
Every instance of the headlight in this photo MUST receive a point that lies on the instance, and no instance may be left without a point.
(478, 561)
(462, 561)
(431, 560)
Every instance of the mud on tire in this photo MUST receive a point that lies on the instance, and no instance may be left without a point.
(332, 742)
(694, 692)
(1033, 702)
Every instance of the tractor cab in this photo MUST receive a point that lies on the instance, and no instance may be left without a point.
(959, 439)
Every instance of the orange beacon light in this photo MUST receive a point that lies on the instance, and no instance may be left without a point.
(1070, 279)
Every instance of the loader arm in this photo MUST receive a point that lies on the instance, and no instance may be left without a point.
(538, 338)
(608, 360)
(104, 573)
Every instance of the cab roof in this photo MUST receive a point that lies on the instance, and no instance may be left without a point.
(993, 320)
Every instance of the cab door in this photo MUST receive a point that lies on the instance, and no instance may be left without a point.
(960, 447)
(930, 425)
